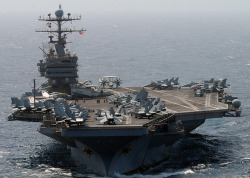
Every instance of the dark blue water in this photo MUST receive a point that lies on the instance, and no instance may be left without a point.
(138, 48)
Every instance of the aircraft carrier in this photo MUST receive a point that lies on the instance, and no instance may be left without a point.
(119, 129)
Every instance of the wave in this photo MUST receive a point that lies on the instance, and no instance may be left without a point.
(163, 174)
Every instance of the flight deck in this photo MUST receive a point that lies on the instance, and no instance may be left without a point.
(178, 101)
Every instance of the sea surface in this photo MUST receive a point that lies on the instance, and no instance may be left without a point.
(139, 48)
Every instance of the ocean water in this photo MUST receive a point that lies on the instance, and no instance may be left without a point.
(138, 48)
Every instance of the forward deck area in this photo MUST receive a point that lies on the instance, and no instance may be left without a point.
(180, 102)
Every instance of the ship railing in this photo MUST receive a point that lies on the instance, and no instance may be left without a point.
(62, 69)
(28, 117)
(61, 75)
(169, 118)
(49, 121)
(65, 57)
(165, 124)
(61, 65)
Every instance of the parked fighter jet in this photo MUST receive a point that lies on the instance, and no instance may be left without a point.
(121, 110)
(14, 102)
(79, 113)
(209, 85)
(59, 111)
(48, 104)
(137, 104)
(148, 109)
(156, 101)
(221, 84)
(20, 104)
(128, 98)
(26, 103)
(110, 118)
(163, 84)
(209, 81)
(174, 81)
(191, 84)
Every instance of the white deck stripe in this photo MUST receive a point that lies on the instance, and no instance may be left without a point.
(128, 120)
(186, 102)
(208, 100)
(173, 102)
(165, 94)
(129, 89)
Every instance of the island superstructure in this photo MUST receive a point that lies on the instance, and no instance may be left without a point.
(115, 128)
(59, 65)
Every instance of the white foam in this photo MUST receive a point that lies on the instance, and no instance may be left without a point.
(3, 152)
(163, 174)
(55, 169)
(67, 174)
(226, 163)
(189, 171)
(47, 170)
(43, 166)
(246, 158)
(231, 123)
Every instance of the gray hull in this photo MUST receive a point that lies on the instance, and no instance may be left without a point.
(123, 155)
(114, 150)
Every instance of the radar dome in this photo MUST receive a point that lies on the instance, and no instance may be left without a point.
(59, 13)
(53, 82)
(236, 103)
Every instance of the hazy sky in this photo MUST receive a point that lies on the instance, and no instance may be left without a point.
(138, 6)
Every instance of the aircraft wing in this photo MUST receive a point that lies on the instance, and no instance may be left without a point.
(105, 119)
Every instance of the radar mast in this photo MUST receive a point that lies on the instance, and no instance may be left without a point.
(59, 66)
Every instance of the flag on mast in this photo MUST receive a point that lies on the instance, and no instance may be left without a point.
(48, 24)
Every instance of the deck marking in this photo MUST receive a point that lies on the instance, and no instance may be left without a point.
(201, 103)
(128, 120)
(208, 100)
(186, 102)
(160, 91)
(129, 89)
(174, 102)
(192, 108)
(179, 105)
(214, 106)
